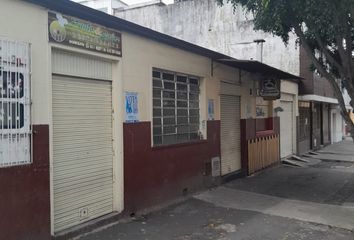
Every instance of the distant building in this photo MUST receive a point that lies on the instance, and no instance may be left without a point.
(106, 6)
(111, 6)
(206, 24)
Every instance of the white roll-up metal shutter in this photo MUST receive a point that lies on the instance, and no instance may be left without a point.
(286, 129)
(230, 134)
(82, 139)
(80, 65)
(82, 150)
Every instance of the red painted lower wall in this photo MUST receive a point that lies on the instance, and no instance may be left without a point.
(24, 194)
(153, 176)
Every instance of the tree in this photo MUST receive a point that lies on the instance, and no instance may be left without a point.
(325, 29)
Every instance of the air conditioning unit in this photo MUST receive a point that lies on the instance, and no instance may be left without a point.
(215, 167)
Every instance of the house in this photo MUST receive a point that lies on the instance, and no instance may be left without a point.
(103, 118)
(232, 32)
(320, 122)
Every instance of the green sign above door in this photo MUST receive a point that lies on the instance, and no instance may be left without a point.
(79, 33)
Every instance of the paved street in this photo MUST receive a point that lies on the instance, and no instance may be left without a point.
(281, 203)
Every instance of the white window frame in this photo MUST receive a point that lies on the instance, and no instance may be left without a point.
(15, 103)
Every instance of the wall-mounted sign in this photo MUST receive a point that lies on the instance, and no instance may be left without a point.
(262, 108)
(210, 109)
(83, 34)
(270, 88)
(131, 107)
(261, 111)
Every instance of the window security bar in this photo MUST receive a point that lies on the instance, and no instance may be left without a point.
(15, 128)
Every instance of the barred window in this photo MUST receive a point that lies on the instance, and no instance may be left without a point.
(175, 107)
(14, 103)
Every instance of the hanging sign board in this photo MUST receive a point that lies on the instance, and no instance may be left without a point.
(270, 88)
(131, 107)
(79, 33)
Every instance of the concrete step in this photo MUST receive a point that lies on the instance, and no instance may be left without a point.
(295, 163)
(313, 153)
(298, 158)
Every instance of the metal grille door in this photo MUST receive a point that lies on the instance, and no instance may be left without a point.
(230, 134)
(82, 149)
(15, 103)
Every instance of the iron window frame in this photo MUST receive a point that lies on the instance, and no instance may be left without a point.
(171, 100)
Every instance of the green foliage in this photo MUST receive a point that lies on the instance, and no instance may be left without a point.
(325, 29)
(323, 17)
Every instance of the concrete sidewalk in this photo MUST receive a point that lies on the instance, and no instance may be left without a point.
(326, 214)
(283, 202)
(342, 151)
(344, 147)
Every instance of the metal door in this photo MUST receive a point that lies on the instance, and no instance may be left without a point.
(286, 129)
(82, 139)
(230, 134)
